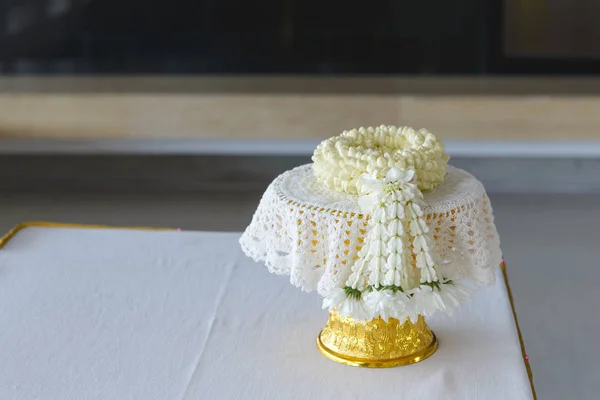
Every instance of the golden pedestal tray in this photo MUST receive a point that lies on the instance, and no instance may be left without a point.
(377, 343)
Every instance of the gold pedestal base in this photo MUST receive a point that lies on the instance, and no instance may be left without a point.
(377, 343)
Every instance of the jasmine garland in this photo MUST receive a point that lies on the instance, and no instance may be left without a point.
(341, 161)
(397, 273)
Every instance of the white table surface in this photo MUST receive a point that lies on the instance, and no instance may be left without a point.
(125, 314)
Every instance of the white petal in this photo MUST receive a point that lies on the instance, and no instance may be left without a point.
(375, 265)
(362, 252)
(389, 277)
(400, 210)
(439, 302)
(371, 184)
(417, 244)
(399, 243)
(368, 202)
(357, 270)
(421, 262)
(392, 228)
(392, 245)
(397, 278)
(412, 314)
(416, 209)
(423, 225)
(428, 275)
(375, 247)
(415, 229)
(345, 309)
(430, 261)
(376, 230)
(394, 175)
(394, 260)
(409, 193)
(334, 298)
(391, 211)
(427, 302)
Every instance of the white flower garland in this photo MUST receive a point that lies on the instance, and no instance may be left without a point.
(340, 161)
(397, 273)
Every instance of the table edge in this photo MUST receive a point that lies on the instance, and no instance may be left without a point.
(45, 224)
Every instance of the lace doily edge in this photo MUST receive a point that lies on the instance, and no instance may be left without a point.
(267, 256)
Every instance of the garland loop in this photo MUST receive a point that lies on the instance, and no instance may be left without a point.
(340, 161)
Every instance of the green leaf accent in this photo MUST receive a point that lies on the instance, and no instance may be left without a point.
(433, 285)
(393, 288)
(352, 293)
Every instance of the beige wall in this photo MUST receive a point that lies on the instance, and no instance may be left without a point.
(162, 108)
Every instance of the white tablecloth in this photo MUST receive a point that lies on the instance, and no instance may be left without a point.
(112, 314)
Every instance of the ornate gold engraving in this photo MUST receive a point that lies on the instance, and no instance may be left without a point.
(377, 343)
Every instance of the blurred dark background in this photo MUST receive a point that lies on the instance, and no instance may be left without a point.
(299, 37)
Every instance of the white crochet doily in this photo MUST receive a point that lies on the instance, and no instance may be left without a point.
(312, 233)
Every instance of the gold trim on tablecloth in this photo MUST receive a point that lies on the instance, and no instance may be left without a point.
(45, 224)
(514, 312)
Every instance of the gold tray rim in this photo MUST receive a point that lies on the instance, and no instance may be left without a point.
(387, 363)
